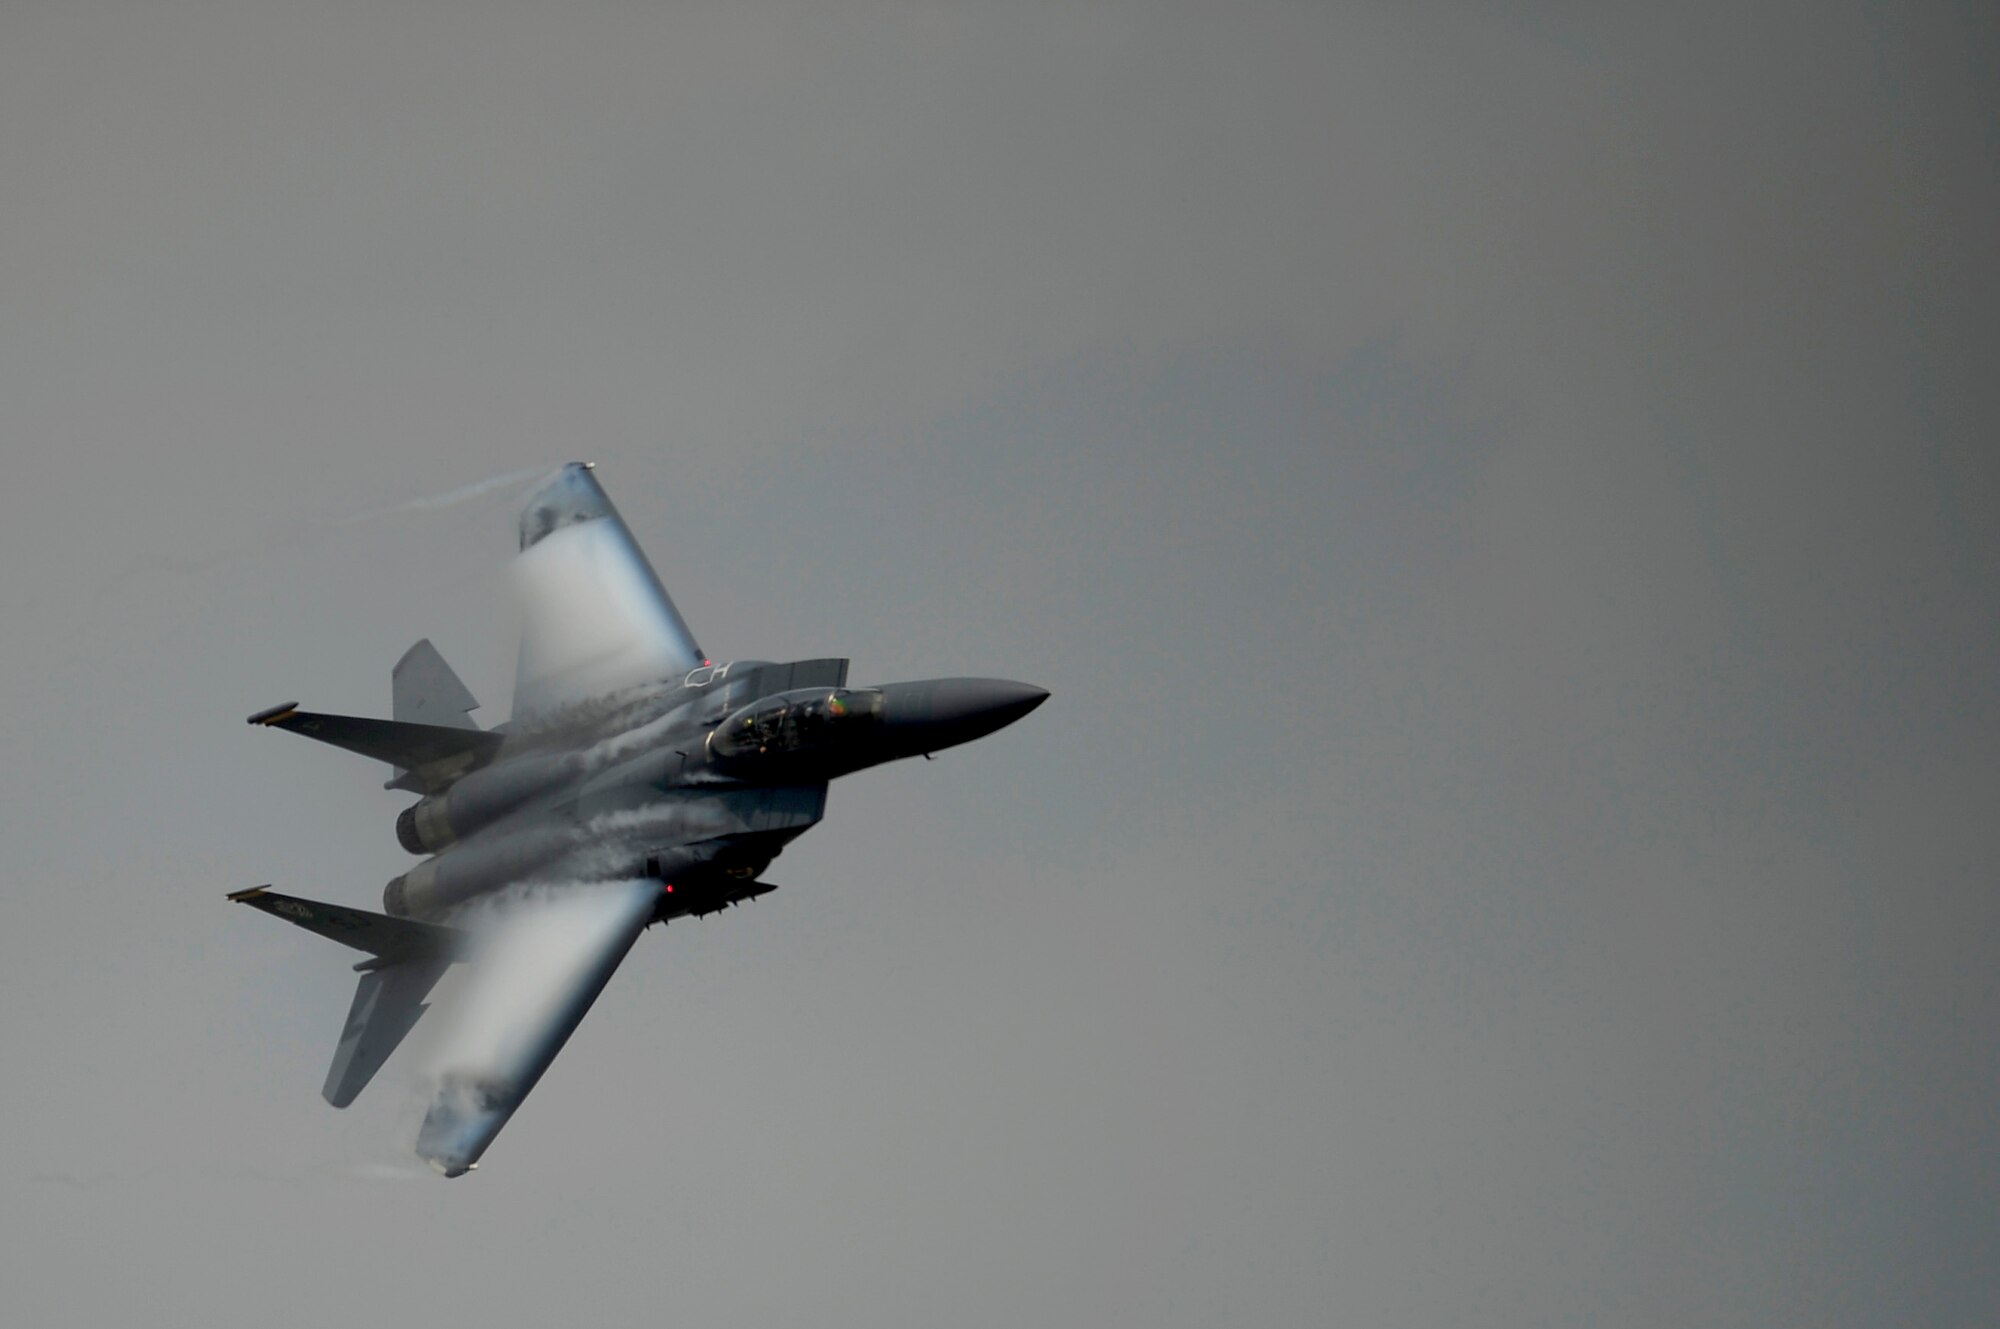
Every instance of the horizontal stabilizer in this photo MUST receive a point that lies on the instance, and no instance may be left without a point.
(433, 755)
(392, 940)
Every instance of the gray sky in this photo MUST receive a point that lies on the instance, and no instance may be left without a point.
(1496, 495)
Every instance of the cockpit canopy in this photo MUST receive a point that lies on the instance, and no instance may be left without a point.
(794, 722)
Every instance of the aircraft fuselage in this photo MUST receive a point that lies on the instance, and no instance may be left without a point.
(697, 785)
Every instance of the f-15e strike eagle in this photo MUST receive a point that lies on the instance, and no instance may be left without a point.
(637, 782)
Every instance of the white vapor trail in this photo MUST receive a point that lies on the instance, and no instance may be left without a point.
(451, 497)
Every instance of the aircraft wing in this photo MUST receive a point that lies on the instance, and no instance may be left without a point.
(595, 619)
(538, 973)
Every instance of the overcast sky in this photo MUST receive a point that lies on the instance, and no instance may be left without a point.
(1503, 498)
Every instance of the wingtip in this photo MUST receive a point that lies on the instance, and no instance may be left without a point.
(252, 893)
(273, 714)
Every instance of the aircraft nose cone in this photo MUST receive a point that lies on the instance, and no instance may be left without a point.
(941, 712)
(989, 703)
(999, 700)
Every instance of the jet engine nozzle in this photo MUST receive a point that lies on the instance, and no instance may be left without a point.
(435, 823)
(422, 827)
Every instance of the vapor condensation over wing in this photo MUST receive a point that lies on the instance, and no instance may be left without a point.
(544, 961)
(595, 619)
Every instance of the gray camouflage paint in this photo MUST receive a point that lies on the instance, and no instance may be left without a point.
(652, 798)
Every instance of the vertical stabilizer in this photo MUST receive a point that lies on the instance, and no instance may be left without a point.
(428, 692)
(424, 690)
(387, 1005)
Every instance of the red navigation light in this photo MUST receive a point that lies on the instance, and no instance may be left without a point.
(670, 888)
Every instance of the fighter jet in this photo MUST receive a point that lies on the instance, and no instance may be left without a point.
(637, 782)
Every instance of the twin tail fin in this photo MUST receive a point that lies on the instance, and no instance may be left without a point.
(406, 959)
